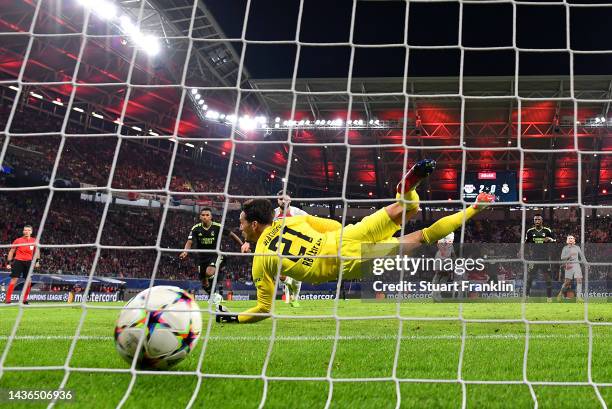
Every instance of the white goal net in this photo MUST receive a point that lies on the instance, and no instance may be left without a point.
(122, 119)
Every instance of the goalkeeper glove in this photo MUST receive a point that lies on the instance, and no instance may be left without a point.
(225, 316)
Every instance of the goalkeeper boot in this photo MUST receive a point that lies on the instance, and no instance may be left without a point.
(405, 189)
(413, 178)
(483, 200)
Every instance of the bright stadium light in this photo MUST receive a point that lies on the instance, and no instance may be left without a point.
(201, 102)
(97, 115)
(190, 145)
(14, 88)
(204, 107)
(136, 128)
(212, 115)
(149, 44)
(153, 133)
(277, 120)
(57, 102)
(106, 10)
(247, 124)
(197, 96)
(194, 91)
(77, 109)
(35, 95)
(127, 25)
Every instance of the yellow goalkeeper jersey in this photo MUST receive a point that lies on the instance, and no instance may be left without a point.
(301, 251)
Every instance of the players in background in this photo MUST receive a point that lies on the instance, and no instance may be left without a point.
(445, 251)
(537, 236)
(284, 209)
(571, 255)
(23, 250)
(291, 287)
(205, 235)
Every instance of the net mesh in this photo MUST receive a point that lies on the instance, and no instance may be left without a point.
(132, 89)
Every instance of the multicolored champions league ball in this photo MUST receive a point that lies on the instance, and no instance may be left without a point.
(171, 325)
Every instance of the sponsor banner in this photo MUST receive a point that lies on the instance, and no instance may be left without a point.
(204, 202)
(315, 296)
(235, 297)
(62, 296)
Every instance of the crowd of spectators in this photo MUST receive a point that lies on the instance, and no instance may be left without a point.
(140, 165)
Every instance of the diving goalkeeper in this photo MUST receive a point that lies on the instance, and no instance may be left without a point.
(305, 239)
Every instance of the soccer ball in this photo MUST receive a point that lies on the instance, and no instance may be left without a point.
(170, 321)
(217, 298)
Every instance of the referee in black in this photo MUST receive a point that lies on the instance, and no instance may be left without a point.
(535, 238)
(205, 235)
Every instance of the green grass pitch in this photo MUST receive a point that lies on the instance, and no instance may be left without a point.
(303, 348)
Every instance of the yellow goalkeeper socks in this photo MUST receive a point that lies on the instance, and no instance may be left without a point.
(446, 225)
(409, 196)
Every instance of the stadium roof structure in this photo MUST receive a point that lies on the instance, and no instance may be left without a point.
(108, 58)
(402, 120)
(423, 117)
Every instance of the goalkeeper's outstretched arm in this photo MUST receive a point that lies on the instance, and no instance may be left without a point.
(265, 295)
(265, 284)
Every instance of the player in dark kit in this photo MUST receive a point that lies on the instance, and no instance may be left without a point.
(535, 238)
(205, 235)
(23, 251)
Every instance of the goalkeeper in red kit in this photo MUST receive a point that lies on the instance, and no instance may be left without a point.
(23, 251)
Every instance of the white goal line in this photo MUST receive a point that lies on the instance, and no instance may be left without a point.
(320, 337)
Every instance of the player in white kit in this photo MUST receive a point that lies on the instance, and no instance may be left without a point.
(445, 251)
(571, 256)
